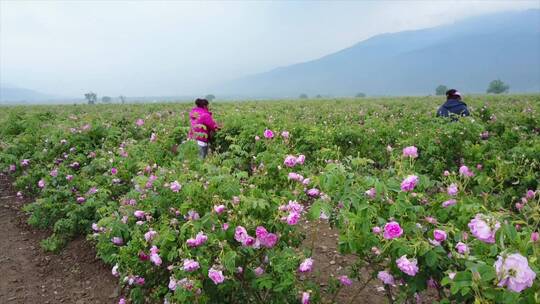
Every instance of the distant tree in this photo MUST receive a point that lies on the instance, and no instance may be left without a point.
(318, 96)
(360, 95)
(210, 97)
(91, 97)
(441, 90)
(303, 96)
(497, 87)
(106, 99)
(122, 99)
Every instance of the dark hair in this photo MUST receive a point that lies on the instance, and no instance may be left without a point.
(451, 93)
(201, 102)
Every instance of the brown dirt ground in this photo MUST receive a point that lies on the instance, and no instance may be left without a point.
(30, 275)
(328, 262)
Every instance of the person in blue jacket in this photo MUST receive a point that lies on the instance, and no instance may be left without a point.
(453, 106)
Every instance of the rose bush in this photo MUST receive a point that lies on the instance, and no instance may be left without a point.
(423, 203)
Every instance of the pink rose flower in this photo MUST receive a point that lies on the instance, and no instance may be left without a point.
(117, 241)
(376, 230)
(449, 203)
(290, 161)
(535, 236)
(293, 218)
(192, 215)
(259, 271)
(216, 276)
(305, 298)
(446, 173)
(69, 178)
(345, 280)
(484, 228)
(386, 278)
(301, 159)
(268, 134)
(306, 265)
(439, 235)
(81, 200)
(241, 235)
(484, 135)
(530, 194)
(154, 256)
(257, 138)
(371, 193)
(199, 239)
(139, 214)
(139, 122)
(153, 137)
(285, 134)
(114, 171)
(452, 189)
(190, 265)
(410, 151)
(143, 256)
(54, 173)
(173, 283)
(219, 209)
(295, 176)
(313, 192)
(465, 171)
(409, 183)
(392, 230)
(175, 186)
(513, 271)
(150, 235)
(462, 248)
(407, 266)
(265, 238)
(41, 183)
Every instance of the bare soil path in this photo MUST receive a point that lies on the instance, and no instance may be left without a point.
(29, 275)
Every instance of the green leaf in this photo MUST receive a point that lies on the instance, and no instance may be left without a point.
(229, 261)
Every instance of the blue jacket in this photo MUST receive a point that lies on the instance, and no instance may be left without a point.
(453, 106)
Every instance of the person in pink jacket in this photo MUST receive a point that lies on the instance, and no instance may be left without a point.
(203, 126)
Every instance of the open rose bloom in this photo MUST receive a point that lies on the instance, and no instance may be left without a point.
(409, 183)
(410, 151)
(407, 266)
(484, 228)
(514, 273)
(392, 230)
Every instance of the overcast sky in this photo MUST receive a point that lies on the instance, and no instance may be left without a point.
(138, 48)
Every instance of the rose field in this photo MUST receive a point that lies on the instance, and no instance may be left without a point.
(419, 209)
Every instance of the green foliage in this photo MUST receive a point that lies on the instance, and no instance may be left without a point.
(351, 146)
(497, 87)
(441, 90)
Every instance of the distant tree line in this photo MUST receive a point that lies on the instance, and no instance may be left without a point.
(495, 87)
(92, 98)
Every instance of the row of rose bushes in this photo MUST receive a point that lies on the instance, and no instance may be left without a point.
(179, 229)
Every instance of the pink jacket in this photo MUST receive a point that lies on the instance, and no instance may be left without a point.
(202, 124)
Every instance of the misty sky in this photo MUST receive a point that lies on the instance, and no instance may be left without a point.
(151, 48)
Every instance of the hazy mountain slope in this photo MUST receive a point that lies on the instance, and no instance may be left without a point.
(467, 54)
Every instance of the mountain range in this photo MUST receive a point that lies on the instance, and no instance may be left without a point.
(13, 94)
(467, 55)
